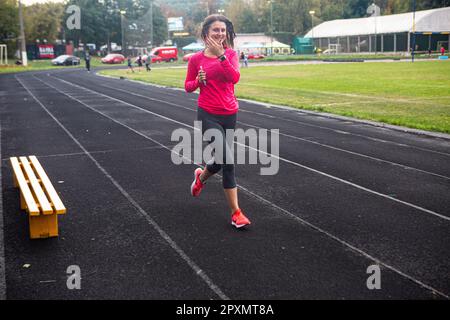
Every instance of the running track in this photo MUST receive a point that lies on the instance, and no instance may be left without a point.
(347, 196)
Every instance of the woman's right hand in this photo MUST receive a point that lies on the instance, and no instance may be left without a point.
(201, 75)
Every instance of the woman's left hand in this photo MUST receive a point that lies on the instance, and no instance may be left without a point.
(214, 47)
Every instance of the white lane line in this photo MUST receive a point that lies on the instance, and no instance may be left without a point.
(2, 241)
(303, 112)
(291, 136)
(353, 153)
(276, 157)
(345, 243)
(284, 211)
(145, 97)
(351, 133)
(162, 233)
(93, 152)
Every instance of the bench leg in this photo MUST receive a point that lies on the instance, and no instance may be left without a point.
(43, 226)
(23, 204)
(16, 183)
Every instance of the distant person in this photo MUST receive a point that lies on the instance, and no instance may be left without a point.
(148, 63)
(442, 50)
(244, 59)
(139, 62)
(130, 65)
(87, 59)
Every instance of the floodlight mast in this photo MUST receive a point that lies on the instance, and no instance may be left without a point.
(122, 13)
(312, 12)
(23, 45)
(374, 11)
(270, 2)
(151, 17)
(414, 32)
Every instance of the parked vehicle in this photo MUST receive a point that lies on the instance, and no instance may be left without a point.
(155, 59)
(186, 57)
(66, 60)
(113, 58)
(255, 56)
(168, 54)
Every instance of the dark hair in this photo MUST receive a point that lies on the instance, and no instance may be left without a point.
(218, 17)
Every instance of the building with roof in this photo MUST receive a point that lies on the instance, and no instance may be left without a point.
(247, 38)
(392, 33)
(259, 43)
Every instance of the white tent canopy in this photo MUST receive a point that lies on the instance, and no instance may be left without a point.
(194, 46)
(276, 44)
(435, 20)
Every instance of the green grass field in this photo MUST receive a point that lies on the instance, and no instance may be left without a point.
(415, 95)
(36, 65)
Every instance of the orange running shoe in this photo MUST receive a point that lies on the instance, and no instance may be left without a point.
(239, 220)
(197, 185)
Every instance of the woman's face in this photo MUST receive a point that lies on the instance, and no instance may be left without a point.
(218, 31)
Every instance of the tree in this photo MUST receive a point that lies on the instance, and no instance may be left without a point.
(101, 22)
(159, 26)
(94, 26)
(356, 8)
(248, 22)
(431, 4)
(43, 21)
(9, 23)
(233, 11)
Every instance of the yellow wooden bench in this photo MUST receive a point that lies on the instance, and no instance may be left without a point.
(37, 196)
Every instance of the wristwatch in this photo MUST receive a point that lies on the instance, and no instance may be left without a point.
(222, 58)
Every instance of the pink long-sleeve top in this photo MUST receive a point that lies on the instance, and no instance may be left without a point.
(217, 96)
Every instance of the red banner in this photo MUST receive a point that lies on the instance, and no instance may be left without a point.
(46, 51)
(69, 49)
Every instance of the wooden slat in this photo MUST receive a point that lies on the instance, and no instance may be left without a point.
(24, 189)
(45, 206)
(49, 189)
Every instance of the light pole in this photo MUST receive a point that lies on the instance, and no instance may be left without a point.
(207, 7)
(414, 31)
(374, 11)
(312, 12)
(22, 38)
(271, 26)
(122, 13)
(151, 18)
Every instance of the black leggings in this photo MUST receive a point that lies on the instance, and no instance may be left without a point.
(221, 123)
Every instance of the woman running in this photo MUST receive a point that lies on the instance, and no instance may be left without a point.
(215, 71)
